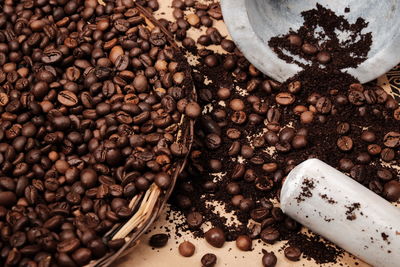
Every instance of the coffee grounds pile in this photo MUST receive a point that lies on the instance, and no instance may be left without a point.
(254, 130)
(325, 38)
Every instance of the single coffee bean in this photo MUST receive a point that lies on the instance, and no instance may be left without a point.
(345, 143)
(82, 256)
(309, 49)
(215, 237)
(269, 235)
(391, 190)
(295, 40)
(292, 253)
(284, 99)
(193, 110)
(158, 240)
(384, 174)
(392, 139)
(194, 219)
(323, 57)
(368, 136)
(7, 198)
(244, 243)
(387, 154)
(186, 249)
(67, 98)
(269, 259)
(208, 260)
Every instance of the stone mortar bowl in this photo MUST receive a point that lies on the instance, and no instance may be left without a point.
(252, 23)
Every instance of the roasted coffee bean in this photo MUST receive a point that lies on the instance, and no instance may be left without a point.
(259, 214)
(82, 256)
(213, 141)
(244, 243)
(215, 237)
(292, 253)
(67, 98)
(392, 139)
(345, 143)
(269, 235)
(158, 240)
(356, 97)
(309, 49)
(186, 249)
(208, 260)
(284, 99)
(294, 40)
(387, 154)
(194, 219)
(269, 259)
(323, 57)
(323, 105)
(343, 128)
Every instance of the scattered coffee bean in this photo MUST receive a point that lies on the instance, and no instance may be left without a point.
(194, 219)
(292, 253)
(244, 243)
(158, 240)
(215, 237)
(186, 249)
(208, 260)
(269, 259)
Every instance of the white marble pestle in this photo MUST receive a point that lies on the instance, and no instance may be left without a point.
(348, 214)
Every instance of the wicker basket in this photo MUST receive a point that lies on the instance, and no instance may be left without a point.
(148, 205)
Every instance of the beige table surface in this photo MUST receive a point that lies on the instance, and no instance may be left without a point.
(144, 256)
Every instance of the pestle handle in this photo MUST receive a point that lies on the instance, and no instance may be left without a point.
(343, 211)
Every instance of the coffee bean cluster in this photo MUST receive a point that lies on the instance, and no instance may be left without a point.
(91, 98)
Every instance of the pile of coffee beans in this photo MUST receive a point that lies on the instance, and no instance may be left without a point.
(91, 98)
(256, 130)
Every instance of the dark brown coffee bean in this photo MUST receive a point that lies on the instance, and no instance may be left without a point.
(356, 97)
(323, 105)
(163, 180)
(208, 260)
(269, 259)
(343, 128)
(213, 141)
(384, 174)
(368, 136)
(82, 256)
(193, 110)
(68, 245)
(358, 173)
(186, 249)
(292, 253)
(387, 154)
(88, 177)
(259, 214)
(269, 235)
(215, 237)
(158, 240)
(7, 198)
(345, 165)
(194, 219)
